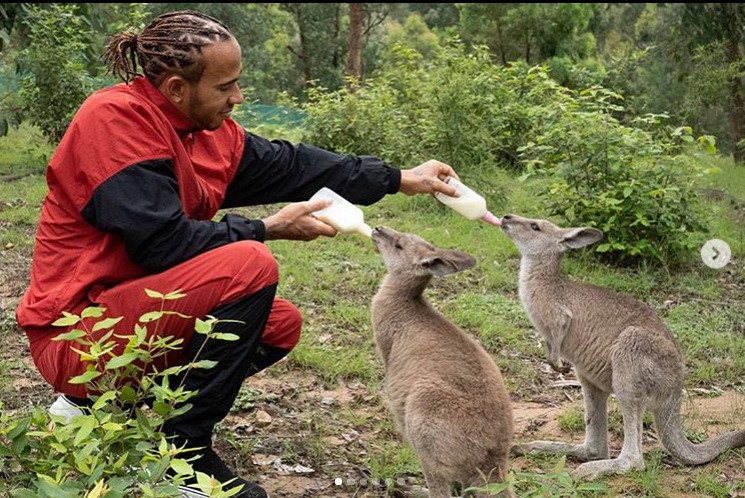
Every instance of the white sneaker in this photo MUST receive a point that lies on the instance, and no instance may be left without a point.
(63, 407)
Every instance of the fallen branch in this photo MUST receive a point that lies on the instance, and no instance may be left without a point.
(18, 176)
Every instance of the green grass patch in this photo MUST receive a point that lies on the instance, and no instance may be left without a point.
(650, 481)
(572, 421)
(389, 459)
(23, 150)
(712, 341)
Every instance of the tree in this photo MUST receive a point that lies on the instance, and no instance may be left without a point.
(531, 32)
(723, 23)
(318, 46)
(55, 81)
(354, 64)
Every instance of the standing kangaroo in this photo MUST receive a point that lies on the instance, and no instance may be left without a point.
(616, 343)
(444, 390)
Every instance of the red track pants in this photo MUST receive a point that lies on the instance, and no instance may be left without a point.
(212, 279)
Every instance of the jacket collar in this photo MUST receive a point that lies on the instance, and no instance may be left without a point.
(182, 124)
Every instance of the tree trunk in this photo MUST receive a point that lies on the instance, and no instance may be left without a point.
(304, 55)
(354, 63)
(737, 105)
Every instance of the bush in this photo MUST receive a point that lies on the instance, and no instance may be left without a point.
(635, 182)
(637, 185)
(116, 448)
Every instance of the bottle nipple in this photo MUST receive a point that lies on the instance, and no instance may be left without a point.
(365, 230)
(491, 219)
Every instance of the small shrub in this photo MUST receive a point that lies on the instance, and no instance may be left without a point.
(116, 448)
(637, 185)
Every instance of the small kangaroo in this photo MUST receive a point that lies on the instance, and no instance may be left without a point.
(616, 343)
(444, 390)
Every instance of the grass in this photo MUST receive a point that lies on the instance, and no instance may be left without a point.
(333, 281)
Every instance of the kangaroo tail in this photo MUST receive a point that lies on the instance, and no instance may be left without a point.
(669, 426)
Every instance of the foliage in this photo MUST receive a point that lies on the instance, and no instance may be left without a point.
(55, 82)
(531, 32)
(636, 184)
(116, 448)
(635, 181)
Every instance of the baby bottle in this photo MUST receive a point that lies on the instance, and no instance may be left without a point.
(342, 214)
(469, 204)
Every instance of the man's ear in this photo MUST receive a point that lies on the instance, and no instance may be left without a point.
(175, 88)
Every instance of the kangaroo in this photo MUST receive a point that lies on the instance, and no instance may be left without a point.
(616, 343)
(444, 390)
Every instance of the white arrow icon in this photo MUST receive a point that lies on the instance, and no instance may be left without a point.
(716, 253)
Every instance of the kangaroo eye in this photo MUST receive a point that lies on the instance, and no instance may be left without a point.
(535, 227)
(398, 246)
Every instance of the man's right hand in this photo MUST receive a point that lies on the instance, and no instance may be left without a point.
(295, 222)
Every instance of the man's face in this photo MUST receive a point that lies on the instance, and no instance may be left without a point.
(209, 102)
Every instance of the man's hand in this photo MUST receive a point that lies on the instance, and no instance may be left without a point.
(427, 178)
(295, 222)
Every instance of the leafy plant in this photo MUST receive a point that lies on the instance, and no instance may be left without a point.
(636, 184)
(116, 448)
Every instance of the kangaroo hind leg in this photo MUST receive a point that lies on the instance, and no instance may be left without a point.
(596, 430)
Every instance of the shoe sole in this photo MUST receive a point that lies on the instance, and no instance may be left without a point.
(191, 493)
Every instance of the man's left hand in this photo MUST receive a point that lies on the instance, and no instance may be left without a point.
(428, 178)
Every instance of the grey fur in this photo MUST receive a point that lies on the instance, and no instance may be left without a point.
(444, 390)
(616, 343)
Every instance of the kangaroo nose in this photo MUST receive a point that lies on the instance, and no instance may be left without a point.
(507, 217)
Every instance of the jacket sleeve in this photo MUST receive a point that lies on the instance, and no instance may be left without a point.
(278, 171)
(141, 204)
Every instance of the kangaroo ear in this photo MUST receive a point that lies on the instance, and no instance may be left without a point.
(447, 262)
(580, 237)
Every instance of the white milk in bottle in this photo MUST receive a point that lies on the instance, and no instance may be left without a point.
(469, 204)
(342, 214)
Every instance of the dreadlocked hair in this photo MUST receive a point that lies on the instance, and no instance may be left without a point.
(172, 43)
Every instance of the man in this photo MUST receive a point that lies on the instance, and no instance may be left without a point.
(133, 187)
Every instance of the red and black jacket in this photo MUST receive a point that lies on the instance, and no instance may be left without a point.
(133, 188)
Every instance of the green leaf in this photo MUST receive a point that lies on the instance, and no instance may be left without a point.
(112, 426)
(161, 408)
(207, 364)
(87, 424)
(181, 467)
(93, 312)
(120, 361)
(151, 315)
(203, 326)
(70, 336)
(104, 399)
(223, 336)
(205, 483)
(84, 355)
(127, 394)
(603, 248)
(154, 294)
(67, 320)
(140, 333)
(107, 323)
(177, 294)
(85, 378)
